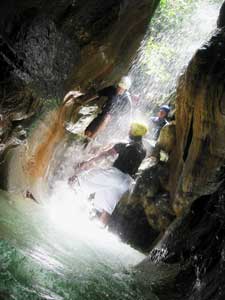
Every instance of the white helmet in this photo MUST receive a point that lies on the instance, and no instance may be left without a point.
(125, 83)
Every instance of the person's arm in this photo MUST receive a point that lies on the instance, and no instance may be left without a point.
(86, 98)
(104, 217)
(111, 151)
(154, 119)
(105, 114)
(89, 163)
(79, 97)
(108, 152)
(130, 108)
(71, 95)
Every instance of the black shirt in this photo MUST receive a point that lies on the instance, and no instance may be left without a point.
(130, 156)
(115, 104)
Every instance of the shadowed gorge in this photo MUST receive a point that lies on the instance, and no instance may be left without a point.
(165, 238)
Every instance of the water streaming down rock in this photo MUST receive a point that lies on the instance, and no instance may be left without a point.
(48, 262)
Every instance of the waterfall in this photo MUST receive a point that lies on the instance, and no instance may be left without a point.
(168, 47)
(53, 250)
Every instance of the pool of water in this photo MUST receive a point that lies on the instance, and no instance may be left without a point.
(42, 259)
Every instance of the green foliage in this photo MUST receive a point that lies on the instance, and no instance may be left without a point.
(159, 51)
(171, 13)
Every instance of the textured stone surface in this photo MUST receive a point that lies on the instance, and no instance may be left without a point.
(130, 222)
(166, 140)
(48, 48)
(150, 190)
(167, 137)
(196, 243)
(140, 218)
(197, 161)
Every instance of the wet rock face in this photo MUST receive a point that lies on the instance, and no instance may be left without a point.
(46, 55)
(44, 45)
(167, 138)
(47, 48)
(129, 221)
(221, 19)
(147, 212)
(166, 141)
(150, 191)
(197, 161)
(197, 243)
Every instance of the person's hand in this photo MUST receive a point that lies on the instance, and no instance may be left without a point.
(72, 95)
(89, 134)
(81, 167)
(153, 160)
(72, 179)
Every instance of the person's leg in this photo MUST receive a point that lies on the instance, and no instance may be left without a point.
(104, 217)
(29, 195)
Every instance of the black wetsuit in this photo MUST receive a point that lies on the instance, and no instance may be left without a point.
(115, 105)
(130, 156)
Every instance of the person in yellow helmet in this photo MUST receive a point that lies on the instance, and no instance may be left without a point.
(109, 185)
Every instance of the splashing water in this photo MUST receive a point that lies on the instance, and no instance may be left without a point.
(54, 251)
(48, 253)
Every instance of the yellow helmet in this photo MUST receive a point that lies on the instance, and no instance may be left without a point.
(138, 129)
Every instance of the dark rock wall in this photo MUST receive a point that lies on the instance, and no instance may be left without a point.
(53, 46)
(196, 242)
(221, 19)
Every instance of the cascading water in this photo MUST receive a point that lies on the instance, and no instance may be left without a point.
(174, 37)
(53, 250)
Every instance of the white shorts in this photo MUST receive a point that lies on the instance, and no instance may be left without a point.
(106, 185)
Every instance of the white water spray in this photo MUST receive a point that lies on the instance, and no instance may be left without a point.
(67, 256)
(164, 54)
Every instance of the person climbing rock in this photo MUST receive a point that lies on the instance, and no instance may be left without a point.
(159, 121)
(116, 107)
(109, 185)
